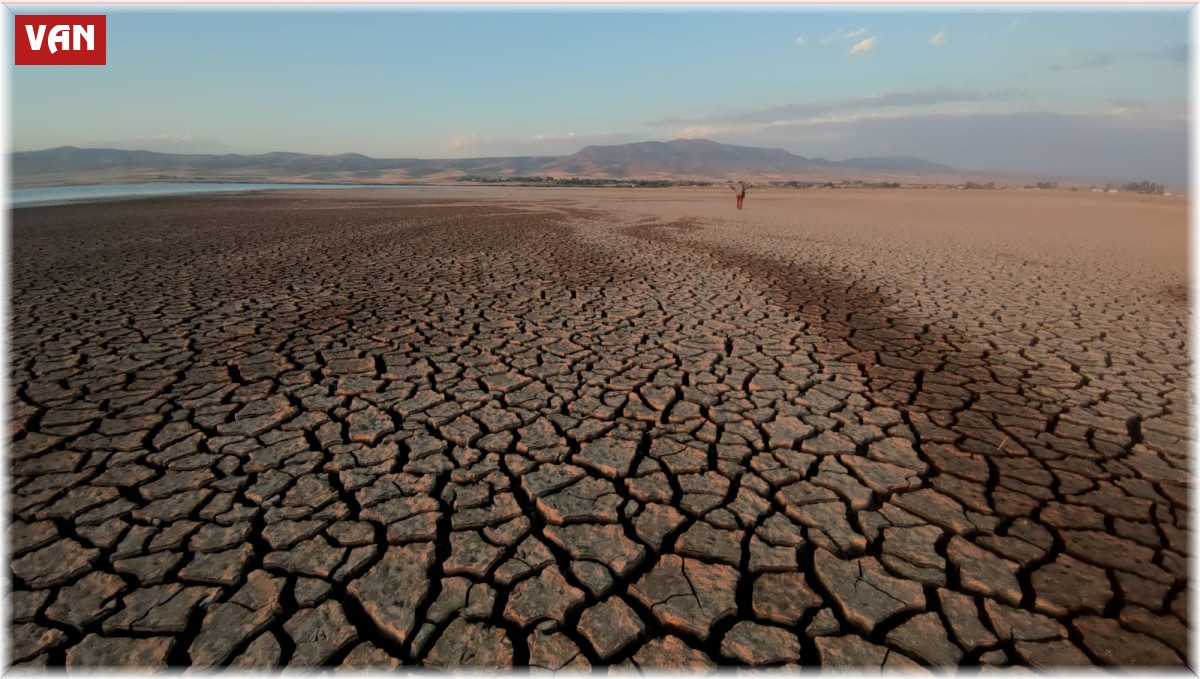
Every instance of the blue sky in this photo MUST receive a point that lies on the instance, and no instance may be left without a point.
(978, 89)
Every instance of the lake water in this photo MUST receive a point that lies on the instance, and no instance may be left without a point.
(56, 195)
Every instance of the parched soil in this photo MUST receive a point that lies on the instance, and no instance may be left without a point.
(569, 428)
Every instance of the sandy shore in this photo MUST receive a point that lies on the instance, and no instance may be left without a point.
(565, 428)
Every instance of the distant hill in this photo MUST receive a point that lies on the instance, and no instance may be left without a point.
(678, 159)
(704, 159)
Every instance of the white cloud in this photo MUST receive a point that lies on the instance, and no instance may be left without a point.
(864, 46)
(938, 38)
(462, 141)
(842, 35)
(919, 98)
(698, 132)
(800, 41)
(1122, 105)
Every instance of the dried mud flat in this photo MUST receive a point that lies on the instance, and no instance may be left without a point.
(573, 428)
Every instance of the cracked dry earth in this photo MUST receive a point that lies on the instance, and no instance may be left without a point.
(569, 428)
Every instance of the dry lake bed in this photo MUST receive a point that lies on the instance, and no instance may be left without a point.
(568, 428)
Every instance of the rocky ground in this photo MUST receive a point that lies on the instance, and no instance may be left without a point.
(568, 429)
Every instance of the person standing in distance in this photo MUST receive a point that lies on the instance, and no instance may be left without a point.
(739, 190)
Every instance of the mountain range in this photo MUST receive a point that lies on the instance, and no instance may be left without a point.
(697, 159)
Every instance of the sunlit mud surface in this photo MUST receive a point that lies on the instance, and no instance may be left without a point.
(573, 428)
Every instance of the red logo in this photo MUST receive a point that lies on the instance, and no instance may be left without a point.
(60, 40)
